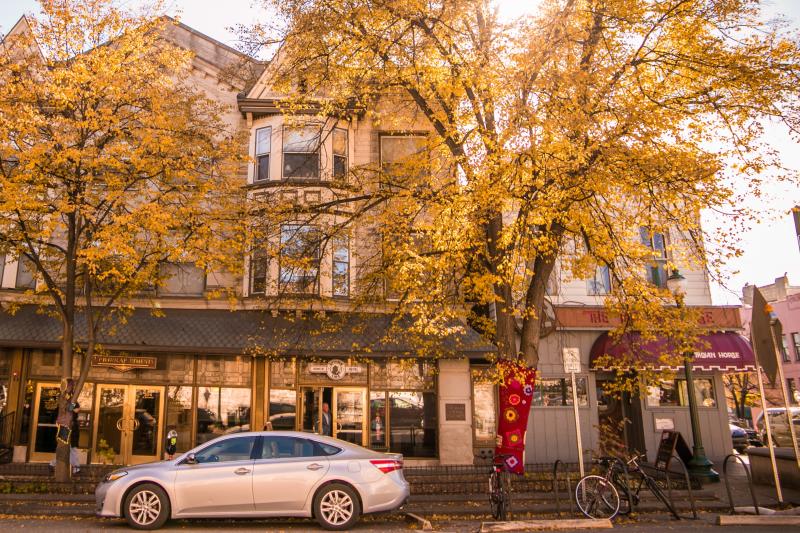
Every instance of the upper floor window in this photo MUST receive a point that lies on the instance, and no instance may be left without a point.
(600, 284)
(26, 274)
(299, 259)
(301, 152)
(258, 271)
(341, 266)
(181, 279)
(339, 153)
(784, 349)
(397, 150)
(657, 271)
(796, 342)
(263, 149)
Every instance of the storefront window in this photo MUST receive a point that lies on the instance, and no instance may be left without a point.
(377, 420)
(484, 409)
(412, 419)
(282, 409)
(221, 411)
(673, 393)
(558, 392)
(179, 415)
(5, 368)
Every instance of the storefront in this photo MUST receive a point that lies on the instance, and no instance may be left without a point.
(386, 399)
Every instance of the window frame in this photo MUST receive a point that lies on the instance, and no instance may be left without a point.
(23, 260)
(281, 284)
(681, 393)
(566, 384)
(382, 136)
(258, 254)
(796, 343)
(785, 349)
(345, 155)
(336, 244)
(592, 283)
(258, 155)
(160, 291)
(318, 151)
(253, 450)
(658, 263)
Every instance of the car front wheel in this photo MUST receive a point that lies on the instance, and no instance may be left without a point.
(147, 507)
(336, 507)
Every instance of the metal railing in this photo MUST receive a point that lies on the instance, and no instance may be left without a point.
(688, 487)
(558, 466)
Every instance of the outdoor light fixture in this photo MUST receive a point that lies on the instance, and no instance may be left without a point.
(700, 466)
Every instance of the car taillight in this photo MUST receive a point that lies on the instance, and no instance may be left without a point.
(387, 465)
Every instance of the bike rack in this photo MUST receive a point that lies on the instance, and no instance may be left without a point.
(627, 483)
(749, 482)
(557, 467)
(688, 488)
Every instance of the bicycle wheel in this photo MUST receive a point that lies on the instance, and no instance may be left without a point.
(597, 497)
(496, 501)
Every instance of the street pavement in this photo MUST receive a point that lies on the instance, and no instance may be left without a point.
(390, 524)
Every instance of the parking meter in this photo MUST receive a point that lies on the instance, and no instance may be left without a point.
(172, 442)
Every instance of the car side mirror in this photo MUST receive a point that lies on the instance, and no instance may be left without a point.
(190, 459)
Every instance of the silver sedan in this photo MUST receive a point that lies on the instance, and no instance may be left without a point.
(258, 474)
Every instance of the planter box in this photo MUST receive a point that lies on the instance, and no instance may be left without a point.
(761, 469)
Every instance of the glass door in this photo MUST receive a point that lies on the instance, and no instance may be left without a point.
(144, 413)
(128, 423)
(45, 412)
(349, 414)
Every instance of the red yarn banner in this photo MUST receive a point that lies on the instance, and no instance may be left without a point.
(516, 394)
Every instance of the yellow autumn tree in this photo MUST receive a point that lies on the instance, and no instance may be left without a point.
(574, 138)
(110, 164)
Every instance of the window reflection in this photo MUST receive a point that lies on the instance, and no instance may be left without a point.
(377, 420)
(413, 423)
(179, 415)
(282, 409)
(221, 411)
(558, 392)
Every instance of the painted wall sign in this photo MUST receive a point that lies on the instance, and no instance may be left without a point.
(335, 369)
(598, 317)
(123, 363)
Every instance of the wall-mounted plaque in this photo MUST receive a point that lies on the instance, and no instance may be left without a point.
(123, 363)
(455, 412)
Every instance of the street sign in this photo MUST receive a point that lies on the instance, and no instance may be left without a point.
(572, 360)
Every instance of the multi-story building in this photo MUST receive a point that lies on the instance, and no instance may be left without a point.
(785, 301)
(205, 370)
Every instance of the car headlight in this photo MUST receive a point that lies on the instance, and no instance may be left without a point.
(113, 476)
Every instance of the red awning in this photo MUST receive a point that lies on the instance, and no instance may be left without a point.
(726, 351)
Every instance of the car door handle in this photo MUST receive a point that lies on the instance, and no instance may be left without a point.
(241, 471)
(314, 466)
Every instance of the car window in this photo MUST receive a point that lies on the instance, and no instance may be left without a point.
(287, 447)
(320, 448)
(235, 449)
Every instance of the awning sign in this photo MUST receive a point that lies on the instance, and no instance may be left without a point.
(123, 363)
(335, 369)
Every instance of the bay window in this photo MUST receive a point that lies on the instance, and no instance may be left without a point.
(299, 259)
(341, 266)
(301, 152)
(339, 153)
(657, 242)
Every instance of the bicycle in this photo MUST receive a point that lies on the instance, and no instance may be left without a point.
(598, 496)
(500, 488)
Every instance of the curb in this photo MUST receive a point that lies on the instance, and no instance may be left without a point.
(529, 525)
(758, 520)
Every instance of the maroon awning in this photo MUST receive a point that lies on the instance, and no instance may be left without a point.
(726, 351)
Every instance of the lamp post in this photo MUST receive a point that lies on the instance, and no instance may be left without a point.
(700, 466)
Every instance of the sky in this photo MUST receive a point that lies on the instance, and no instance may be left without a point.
(770, 247)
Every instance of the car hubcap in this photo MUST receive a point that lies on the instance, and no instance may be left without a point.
(336, 507)
(145, 507)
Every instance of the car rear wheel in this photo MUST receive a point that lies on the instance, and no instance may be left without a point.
(147, 507)
(336, 507)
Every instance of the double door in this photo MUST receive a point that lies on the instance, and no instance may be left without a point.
(340, 412)
(128, 423)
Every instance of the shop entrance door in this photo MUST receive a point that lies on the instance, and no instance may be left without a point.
(128, 423)
(346, 406)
